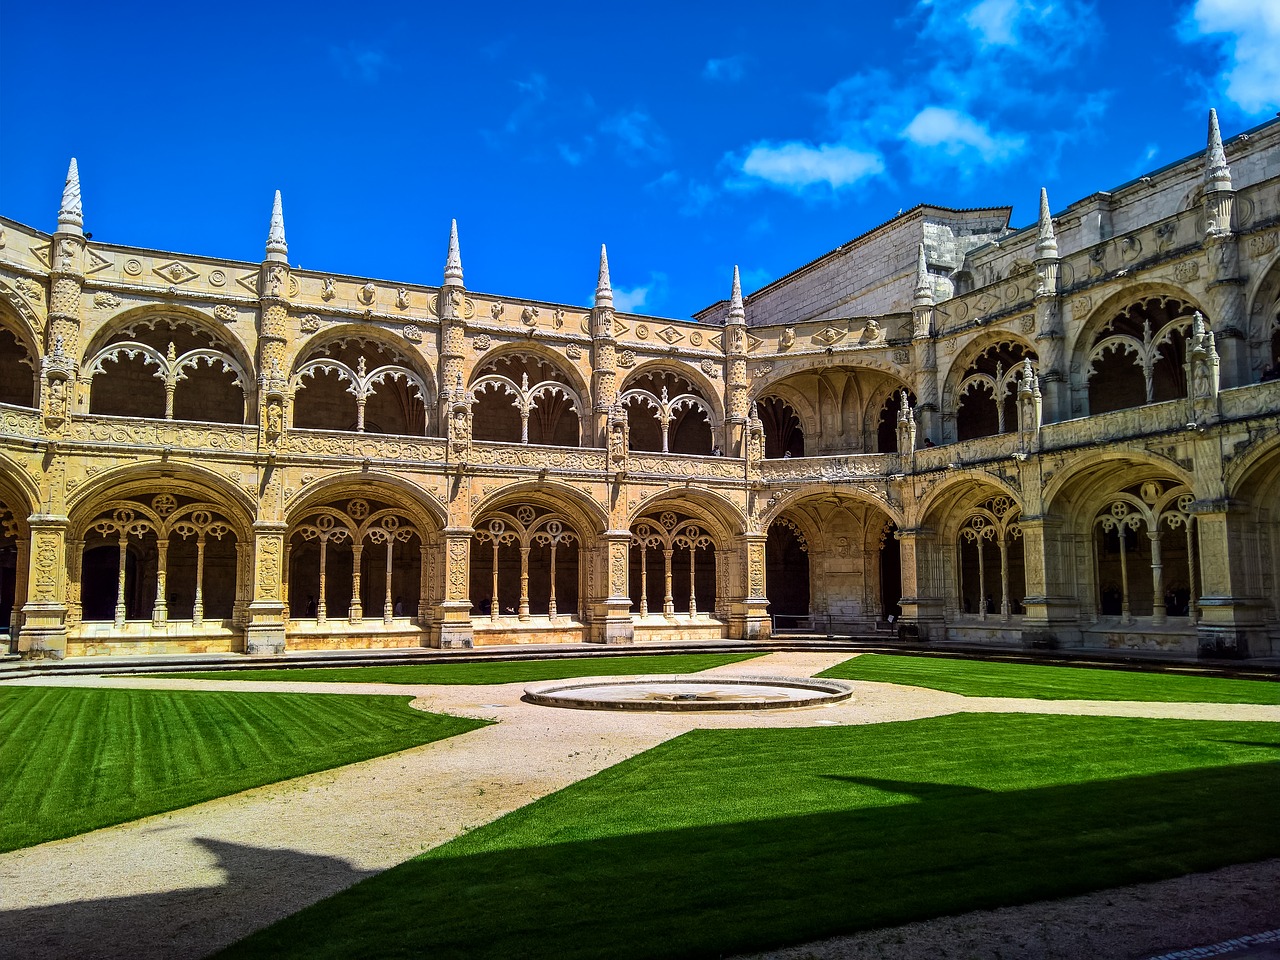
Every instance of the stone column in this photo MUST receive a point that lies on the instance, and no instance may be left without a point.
(44, 615)
(19, 592)
(922, 605)
(265, 632)
(453, 615)
(1050, 611)
(1228, 615)
(611, 608)
(749, 615)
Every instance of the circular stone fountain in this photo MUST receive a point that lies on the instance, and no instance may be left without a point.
(687, 693)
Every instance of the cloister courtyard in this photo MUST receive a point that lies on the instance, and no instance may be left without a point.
(420, 806)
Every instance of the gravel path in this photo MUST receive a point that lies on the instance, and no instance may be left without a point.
(189, 882)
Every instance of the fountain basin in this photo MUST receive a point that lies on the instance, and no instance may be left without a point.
(687, 693)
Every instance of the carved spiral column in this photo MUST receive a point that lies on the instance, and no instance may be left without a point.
(604, 371)
(273, 338)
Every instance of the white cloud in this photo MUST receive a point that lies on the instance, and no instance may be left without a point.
(798, 166)
(358, 62)
(646, 297)
(638, 136)
(725, 69)
(629, 301)
(959, 135)
(995, 21)
(1248, 32)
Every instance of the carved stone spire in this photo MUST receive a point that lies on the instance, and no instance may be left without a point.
(924, 287)
(1217, 175)
(277, 248)
(70, 213)
(604, 289)
(1047, 244)
(737, 313)
(453, 262)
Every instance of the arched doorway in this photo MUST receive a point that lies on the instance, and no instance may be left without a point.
(787, 575)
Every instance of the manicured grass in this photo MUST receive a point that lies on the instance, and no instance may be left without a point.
(525, 671)
(78, 759)
(980, 678)
(728, 841)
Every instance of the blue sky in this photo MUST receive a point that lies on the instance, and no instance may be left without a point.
(689, 138)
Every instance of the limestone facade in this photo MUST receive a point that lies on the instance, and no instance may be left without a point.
(1064, 434)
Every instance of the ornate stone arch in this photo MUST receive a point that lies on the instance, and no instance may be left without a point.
(18, 486)
(720, 515)
(187, 478)
(953, 374)
(424, 509)
(363, 360)
(772, 509)
(19, 348)
(208, 352)
(1080, 484)
(572, 375)
(793, 397)
(1262, 319)
(943, 507)
(589, 517)
(712, 391)
(1083, 330)
(25, 298)
(149, 315)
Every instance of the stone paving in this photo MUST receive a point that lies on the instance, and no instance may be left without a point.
(191, 881)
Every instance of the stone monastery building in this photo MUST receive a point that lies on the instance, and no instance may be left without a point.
(1063, 434)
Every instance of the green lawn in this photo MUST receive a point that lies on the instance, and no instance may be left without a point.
(77, 759)
(726, 841)
(525, 671)
(979, 678)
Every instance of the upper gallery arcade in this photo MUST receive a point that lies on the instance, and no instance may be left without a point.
(1067, 433)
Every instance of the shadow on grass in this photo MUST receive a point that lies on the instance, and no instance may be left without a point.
(920, 791)
(714, 890)
(180, 923)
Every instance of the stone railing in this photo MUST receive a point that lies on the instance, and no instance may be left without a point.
(179, 434)
(1250, 400)
(1115, 425)
(20, 422)
(361, 446)
(489, 453)
(857, 466)
(686, 465)
(967, 451)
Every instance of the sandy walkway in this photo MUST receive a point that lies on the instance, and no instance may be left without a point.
(191, 881)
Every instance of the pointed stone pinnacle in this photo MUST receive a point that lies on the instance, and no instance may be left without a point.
(1047, 245)
(737, 312)
(70, 213)
(277, 248)
(924, 286)
(1217, 175)
(604, 289)
(453, 262)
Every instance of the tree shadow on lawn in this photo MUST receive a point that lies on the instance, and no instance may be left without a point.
(752, 885)
(259, 885)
